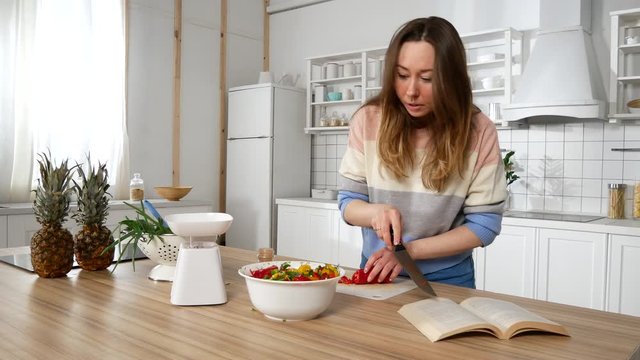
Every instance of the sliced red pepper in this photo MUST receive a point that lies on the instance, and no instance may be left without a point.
(263, 273)
(360, 277)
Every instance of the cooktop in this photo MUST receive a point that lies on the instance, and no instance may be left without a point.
(551, 216)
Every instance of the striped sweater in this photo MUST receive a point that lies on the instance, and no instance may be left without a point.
(474, 200)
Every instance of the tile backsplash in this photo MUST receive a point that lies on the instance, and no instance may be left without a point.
(562, 167)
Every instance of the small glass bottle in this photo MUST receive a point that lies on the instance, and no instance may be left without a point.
(265, 254)
(616, 201)
(136, 188)
(344, 121)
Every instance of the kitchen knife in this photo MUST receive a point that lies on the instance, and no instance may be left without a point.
(412, 269)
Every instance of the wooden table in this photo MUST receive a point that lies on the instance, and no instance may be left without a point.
(100, 315)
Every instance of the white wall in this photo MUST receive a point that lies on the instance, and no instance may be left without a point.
(347, 25)
(150, 86)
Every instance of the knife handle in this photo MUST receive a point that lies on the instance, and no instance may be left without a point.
(400, 243)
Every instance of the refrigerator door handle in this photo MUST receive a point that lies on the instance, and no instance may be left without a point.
(249, 137)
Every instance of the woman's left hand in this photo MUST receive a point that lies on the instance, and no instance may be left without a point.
(382, 264)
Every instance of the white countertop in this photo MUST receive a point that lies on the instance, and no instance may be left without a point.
(604, 225)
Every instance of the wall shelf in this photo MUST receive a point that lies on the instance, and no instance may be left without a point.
(624, 80)
(506, 47)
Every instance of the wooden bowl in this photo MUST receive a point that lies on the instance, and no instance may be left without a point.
(173, 193)
(634, 106)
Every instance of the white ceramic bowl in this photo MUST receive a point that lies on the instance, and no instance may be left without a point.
(199, 224)
(490, 57)
(289, 300)
(491, 82)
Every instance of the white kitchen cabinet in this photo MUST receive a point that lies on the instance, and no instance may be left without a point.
(316, 231)
(624, 275)
(493, 54)
(291, 232)
(20, 228)
(507, 266)
(572, 267)
(350, 243)
(3, 232)
(624, 80)
(307, 233)
(366, 65)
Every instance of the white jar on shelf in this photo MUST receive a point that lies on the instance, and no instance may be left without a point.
(320, 92)
(357, 92)
(331, 70)
(349, 69)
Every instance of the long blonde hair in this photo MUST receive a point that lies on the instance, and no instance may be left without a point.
(449, 124)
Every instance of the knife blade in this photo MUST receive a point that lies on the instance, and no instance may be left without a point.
(412, 269)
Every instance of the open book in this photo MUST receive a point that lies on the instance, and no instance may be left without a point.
(439, 318)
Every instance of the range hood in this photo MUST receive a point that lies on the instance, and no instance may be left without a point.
(561, 77)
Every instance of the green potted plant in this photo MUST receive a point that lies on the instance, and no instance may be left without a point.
(148, 232)
(510, 173)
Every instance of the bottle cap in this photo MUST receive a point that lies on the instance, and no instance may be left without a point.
(617, 186)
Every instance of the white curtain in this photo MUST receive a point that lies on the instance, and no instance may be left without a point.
(62, 65)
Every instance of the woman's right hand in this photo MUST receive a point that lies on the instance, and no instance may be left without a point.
(387, 223)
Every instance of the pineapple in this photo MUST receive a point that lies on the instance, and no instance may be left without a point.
(52, 245)
(93, 208)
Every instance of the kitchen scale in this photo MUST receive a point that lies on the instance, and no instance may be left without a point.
(198, 275)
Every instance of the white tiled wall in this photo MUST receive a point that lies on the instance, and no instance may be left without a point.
(563, 167)
(326, 155)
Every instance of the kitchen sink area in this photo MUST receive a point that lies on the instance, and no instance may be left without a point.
(551, 216)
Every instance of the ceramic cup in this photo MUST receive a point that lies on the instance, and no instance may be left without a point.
(494, 111)
(347, 94)
(631, 40)
(321, 93)
(334, 96)
(357, 92)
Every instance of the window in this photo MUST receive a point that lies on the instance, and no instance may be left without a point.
(62, 65)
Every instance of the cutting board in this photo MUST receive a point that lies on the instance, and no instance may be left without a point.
(378, 291)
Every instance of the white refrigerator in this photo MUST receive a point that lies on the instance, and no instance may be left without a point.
(268, 157)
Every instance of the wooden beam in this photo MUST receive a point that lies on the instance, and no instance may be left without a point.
(265, 37)
(222, 193)
(177, 49)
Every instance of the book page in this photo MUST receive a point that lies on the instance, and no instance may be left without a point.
(509, 317)
(439, 317)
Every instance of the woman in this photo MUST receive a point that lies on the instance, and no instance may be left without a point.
(423, 164)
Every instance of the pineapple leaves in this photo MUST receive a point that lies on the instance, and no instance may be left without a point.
(53, 193)
(92, 194)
